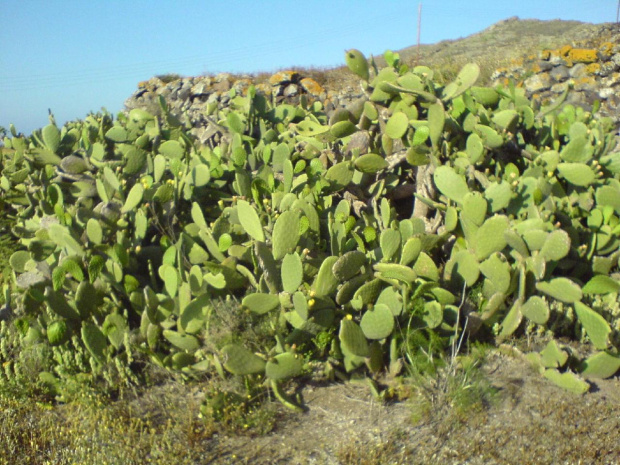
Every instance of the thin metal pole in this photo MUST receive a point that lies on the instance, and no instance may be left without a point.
(417, 61)
(618, 13)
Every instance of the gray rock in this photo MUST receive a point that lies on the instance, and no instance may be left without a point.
(544, 65)
(290, 91)
(559, 73)
(538, 83)
(578, 71)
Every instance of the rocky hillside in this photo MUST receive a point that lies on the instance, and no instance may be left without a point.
(546, 57)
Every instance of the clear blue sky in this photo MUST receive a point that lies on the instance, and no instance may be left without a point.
(76, 56)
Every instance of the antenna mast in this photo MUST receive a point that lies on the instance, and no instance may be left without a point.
(417, 61)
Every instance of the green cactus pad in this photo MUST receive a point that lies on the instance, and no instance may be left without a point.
(516, 242)
(377, 323)
(511, 322)
(497, 270)
(569, 381)
(94, 340)
(466, 78)
(475, 149)
(261, 303)
(349, 288)
(57, 302)
(352, 338)
(185, 342)
(292, 272)
(578, 174)
(115, 328)
(370, 163)
(486, 96)
(595, 325)
(356, 61)
(18, 261)
(450, 184)
(489, 238)
(436, 122)
(340, 174)
(240, 361)
(390, 243)
(397, 125)
(326, 282)
(425, 267)
(474, 208)
(396, 271)
(601, 284)
(342, 129)
(348, 265)
(368, 292)
(51, 137)
(490, 137)
(562, 289)
(601, 365)
(285, 234)
(506, 119)
(433, 314)
(498, 195)
(556, 246)
(392, 298)
(193, 315)
(284, 366)
(411, 250)
(94, 231)
(58, 332)
(464, 265)
(536, 310)
(578, 150)
(250, 221)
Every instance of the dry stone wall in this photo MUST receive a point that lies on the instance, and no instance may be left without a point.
(194, 99)
(591, 69)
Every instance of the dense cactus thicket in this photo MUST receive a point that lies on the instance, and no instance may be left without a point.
(130, 230)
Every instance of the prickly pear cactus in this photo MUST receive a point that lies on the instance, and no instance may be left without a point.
(129, 228)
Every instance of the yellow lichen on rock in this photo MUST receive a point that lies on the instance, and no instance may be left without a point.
(283, 76)
(311, 86)
(582, 55)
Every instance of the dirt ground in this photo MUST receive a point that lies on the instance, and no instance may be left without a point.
(529, 421)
